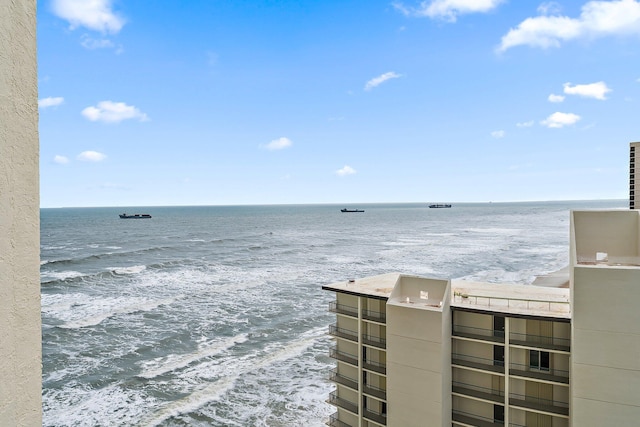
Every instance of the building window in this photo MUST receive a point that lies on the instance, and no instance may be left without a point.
(498, 326)
(539, 360)
(498, 355)
(498, 414)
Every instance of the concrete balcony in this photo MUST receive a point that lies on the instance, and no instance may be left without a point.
(551, 407)
(374, 341)
(374, 316)
(559, 376)
(343, 380)
(334, 421)
(343, 403)
(376, 417)
(351, 359)
(477, 363)
(479, 334)
(346, 310)
(468, 419)
(378, 367)
(374, 391)
(346, 334)
(540, 342)
(477, 392)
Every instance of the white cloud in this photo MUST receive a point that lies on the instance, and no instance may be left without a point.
(376, 81)
(279, 144)
(113, 112)
(449, 9)
(555, 98)
(95, 15)
(549, 8)
(50, 102)
(597, 19)
(596, 90)
(525, 124)
(61, 160)
(498, 134)
(346, 170)
(558, 120)
(91, 43)
(91, 156)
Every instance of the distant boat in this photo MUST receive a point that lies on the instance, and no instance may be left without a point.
(351, 210)
(134, 216)
(440, 205)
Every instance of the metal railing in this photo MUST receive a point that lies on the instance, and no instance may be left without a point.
(378, 367)
(334, 421)
(374, 416)
(343, 333)
(538, 403)
(465, 387)
(562, 375)
(478, 333)
(342, 403)
(348, 310)
(374, 391)
(374, 316)
(343, 379)
(477, 362)
(541, 341)
(473, 419)
(374, 341)
(522, 303)
(351, 359)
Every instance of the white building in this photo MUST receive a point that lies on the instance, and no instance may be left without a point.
(413, 351)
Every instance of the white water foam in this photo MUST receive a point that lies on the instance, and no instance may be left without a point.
(233, 369)
(93, 313)
(134, 269)
(173, 362)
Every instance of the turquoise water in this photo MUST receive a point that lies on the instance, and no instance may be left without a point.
(215, 316)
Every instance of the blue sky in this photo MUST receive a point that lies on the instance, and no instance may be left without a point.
(273, 102)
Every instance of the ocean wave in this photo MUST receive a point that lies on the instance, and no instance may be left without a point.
(231, 372)
(173, 362)
(92, 314)
(134, 269)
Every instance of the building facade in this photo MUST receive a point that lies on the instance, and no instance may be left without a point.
(414, 351)
(20, 334)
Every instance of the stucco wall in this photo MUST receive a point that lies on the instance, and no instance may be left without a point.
(20, 332)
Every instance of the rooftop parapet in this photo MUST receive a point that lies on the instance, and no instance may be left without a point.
(605, 238)
(419, 292)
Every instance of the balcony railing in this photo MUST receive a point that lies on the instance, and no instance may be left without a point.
(474, 420)
(514, 303)
(374, 416)
(343, 333)
(496, 396)
(343, 379)
(540, 341)
(342, 403)
(477, 362)
(527, 371)
(378, 367)
(374, 341)
(374, 316)
(351, 359)
(538, 404)
(374, 391)
(347, 310)
(334, 421)
(478, 333)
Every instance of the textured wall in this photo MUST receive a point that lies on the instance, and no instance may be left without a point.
(20, 332)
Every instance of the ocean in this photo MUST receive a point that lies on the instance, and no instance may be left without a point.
(214, 316)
